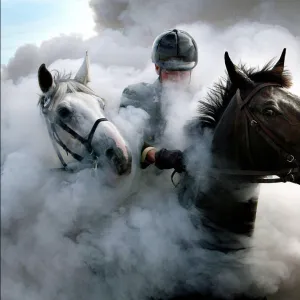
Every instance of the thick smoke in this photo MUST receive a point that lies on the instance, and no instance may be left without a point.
(134, 24)
(132, 15)
(69, 237)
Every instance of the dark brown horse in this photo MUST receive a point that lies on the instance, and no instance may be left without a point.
(255, 125)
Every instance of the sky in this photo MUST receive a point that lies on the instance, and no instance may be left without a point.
(33, 21)
(131, 246)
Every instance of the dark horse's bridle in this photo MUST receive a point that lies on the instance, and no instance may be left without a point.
(284, 174)
(86, 142)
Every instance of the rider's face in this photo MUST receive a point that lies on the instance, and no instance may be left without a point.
(175, 76)
(181, 77)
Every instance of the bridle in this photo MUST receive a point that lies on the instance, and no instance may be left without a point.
(86, 142)
(284, 174)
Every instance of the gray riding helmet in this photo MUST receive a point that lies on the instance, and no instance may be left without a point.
(175, 50)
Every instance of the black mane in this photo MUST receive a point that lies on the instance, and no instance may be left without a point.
(214, 104)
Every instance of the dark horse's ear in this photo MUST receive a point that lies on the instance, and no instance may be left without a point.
(236, 76)
(45, 78)
(279, 67)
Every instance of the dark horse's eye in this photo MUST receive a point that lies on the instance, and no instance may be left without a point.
(64, 112)
(270, 112)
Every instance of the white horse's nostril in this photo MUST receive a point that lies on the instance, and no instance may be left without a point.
(109, 153)
(120, 162)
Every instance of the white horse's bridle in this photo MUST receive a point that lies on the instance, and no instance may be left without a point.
(86, 142)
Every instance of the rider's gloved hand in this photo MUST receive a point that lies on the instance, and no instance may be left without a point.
(170, 159)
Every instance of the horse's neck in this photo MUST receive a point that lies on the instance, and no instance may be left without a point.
(229, 144)
(229, 205)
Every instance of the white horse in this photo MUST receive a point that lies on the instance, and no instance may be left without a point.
(77, 124)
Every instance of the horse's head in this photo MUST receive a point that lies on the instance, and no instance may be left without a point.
(77, 124)
(265, 117)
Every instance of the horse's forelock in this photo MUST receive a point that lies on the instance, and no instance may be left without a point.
(269, 74)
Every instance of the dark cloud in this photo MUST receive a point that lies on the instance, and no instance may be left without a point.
(138, 22)
(28, 58)
(150, 15)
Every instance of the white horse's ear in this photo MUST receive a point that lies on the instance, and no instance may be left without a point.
(83, 74)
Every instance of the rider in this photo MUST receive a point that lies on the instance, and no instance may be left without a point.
(175, 55)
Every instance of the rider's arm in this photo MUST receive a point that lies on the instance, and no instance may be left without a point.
(163, 158)
(134, 95)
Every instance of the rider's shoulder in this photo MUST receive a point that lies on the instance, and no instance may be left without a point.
(137, 90)
(137, 95)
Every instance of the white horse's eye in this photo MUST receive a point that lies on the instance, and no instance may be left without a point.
(64, 112)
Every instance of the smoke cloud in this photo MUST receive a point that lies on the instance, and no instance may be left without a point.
(134, 24)
(69, 237)
(134, 14)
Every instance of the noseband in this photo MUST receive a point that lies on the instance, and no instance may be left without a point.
(269, 137)
(86, 142)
